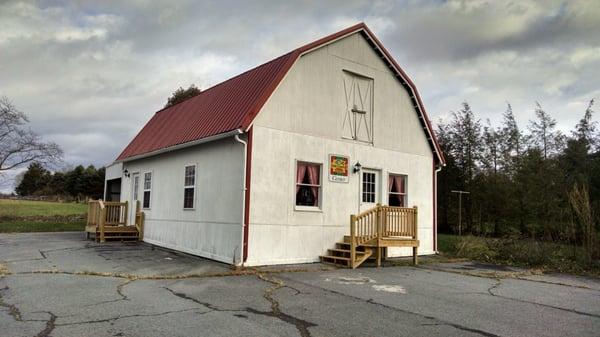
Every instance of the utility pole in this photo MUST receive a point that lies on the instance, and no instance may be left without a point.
(460, 193)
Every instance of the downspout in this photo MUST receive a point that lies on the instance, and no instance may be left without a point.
(438, 169)
(240, 263)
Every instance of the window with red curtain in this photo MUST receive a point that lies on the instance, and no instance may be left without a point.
(308, 184)
(397, 190)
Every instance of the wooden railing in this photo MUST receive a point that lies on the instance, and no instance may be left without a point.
(399, 221)
(116, 213)
(111, 213)
(381, 222)
(139, 220)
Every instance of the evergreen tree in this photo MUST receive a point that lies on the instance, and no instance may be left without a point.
(35, 179)
(543, 133)
(585, 130)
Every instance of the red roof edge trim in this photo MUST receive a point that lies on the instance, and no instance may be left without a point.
(396, 67)
(421, 107)
(235, 102)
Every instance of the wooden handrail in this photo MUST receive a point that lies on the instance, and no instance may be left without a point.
(107, 213)
(379, 222)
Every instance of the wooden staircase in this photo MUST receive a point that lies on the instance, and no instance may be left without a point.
(108, 221)
(371, 232)
(116, 233)
(341, 255)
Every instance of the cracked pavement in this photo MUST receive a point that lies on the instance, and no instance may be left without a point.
(59, 284)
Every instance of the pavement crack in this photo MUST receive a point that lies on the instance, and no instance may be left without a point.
(371, 301)
(43, 254)
(494, 286)
(573, 311)
(50, 325)
(120, 288)
(210, 306)
(240, 272)
(300, 324)
(120, 292)
(111, 319)
(13, 311)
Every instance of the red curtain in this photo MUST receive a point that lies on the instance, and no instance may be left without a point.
(313, 179)
(400, 184)
(300, 175)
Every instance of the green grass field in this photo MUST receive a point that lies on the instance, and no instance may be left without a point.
(18, 216)
(36, 226)
(20, 208)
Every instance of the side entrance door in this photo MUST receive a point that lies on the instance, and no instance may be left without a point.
(370, 189)
(135, 194)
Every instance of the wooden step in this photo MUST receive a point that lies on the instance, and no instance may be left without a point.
(121, 237)
(335, 260)
(333, 257)
(343, 252)
(346, 246)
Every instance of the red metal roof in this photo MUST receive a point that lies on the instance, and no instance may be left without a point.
(233, 104)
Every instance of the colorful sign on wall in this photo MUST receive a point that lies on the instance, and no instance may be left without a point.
(338, 168)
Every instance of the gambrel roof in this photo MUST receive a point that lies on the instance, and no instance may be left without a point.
(232, 105)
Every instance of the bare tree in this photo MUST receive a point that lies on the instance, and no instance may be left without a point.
(18, 144)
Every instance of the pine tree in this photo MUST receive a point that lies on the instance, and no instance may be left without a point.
(543, 134)
(585, 130)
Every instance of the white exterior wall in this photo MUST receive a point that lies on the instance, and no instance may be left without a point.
(113, 171)
(302, 121)
(213, 228)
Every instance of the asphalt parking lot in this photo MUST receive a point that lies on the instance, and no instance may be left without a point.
(58, 284)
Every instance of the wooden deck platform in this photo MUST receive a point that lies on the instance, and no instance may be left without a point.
(373, 231)
(109, 221)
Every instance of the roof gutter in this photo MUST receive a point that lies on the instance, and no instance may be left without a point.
(182, 146)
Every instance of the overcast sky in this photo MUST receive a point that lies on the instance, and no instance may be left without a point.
(90, 73)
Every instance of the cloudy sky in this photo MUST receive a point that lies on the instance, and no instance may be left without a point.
(90, 73)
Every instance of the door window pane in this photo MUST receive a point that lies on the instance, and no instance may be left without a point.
(368, 187)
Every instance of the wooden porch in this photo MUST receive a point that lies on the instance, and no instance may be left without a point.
(108, 220)
(373, 231)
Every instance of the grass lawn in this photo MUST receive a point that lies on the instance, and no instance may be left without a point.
(41, 216)
(547, 256)
(19, 208)
(40, 226)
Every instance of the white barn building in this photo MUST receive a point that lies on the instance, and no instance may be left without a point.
(267, 167)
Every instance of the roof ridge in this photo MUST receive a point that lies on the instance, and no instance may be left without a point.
(228, 108)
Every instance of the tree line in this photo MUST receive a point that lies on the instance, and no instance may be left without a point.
(79, 183)
(522, 181)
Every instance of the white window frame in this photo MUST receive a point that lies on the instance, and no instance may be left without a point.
(405, 194)
(376, 185)
(144, 189)
(136, 189)
(319, 206)
(185, 187)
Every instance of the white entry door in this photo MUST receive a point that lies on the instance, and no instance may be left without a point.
(370, 189)
(135, 195)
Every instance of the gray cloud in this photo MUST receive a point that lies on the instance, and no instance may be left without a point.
(91, 73)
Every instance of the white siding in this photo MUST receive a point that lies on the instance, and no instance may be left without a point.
(114, 171)
(303, 121)
(213, 228)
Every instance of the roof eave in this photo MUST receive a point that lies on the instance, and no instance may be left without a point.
(181, 146)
